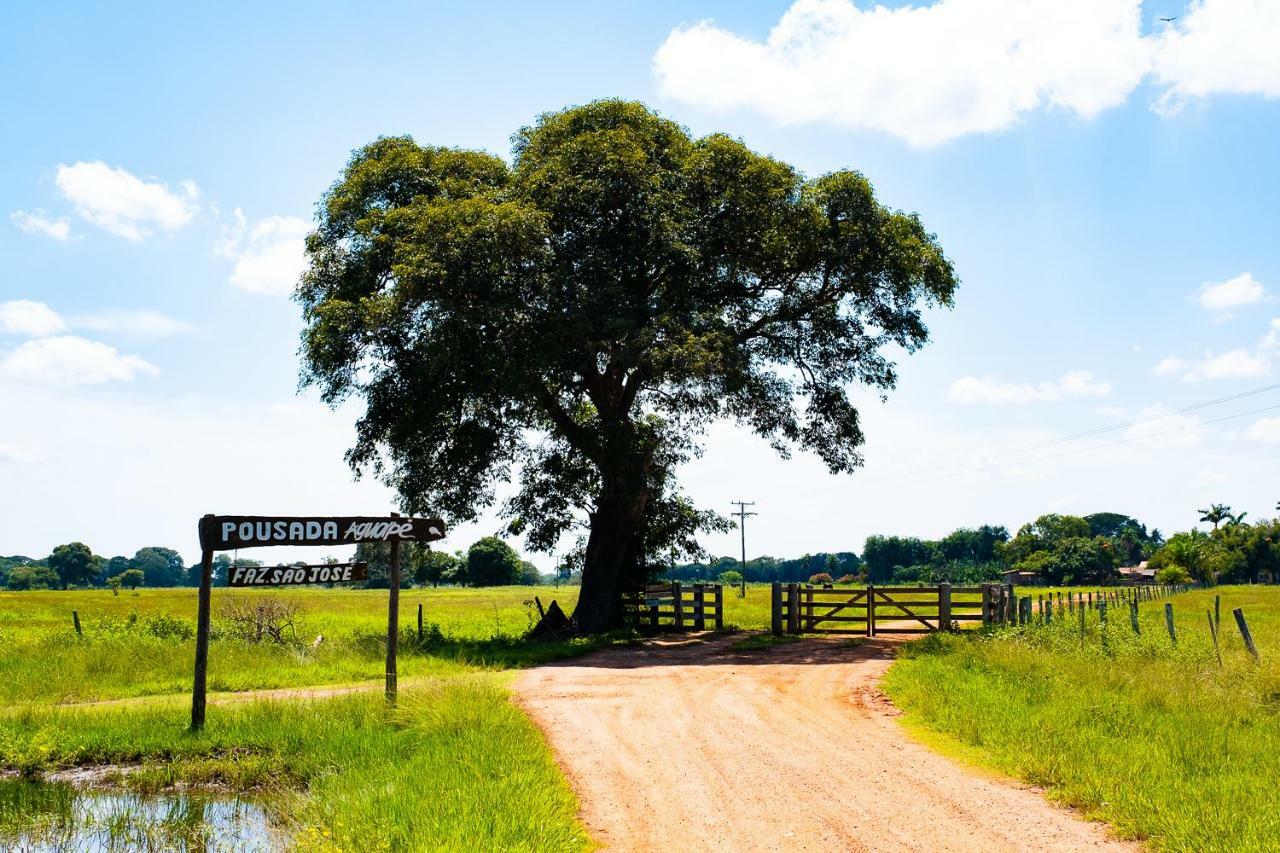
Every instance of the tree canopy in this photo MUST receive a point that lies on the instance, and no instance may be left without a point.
(573, 320)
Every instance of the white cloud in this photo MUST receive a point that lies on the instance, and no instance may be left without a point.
(935, 72)
(1272, 339)
(1264, 429)
(69, 360)
(1077, 383)
(34, 319)
(1222, 296)
(269, 257)
(1220, 47)
(925, 73)
(124, 204)
(1235, 364)
(1170, 365)
(38, 223)
(21, 454)
(1239, 363)
(151, 324)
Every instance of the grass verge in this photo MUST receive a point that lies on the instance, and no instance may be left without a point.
(456, 766)
(1155, 738)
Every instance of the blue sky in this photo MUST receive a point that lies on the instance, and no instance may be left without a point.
(1105, 183)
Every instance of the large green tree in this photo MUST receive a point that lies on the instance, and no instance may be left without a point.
(492, 562)
(160, 566)
(572, 320)
(75, 564)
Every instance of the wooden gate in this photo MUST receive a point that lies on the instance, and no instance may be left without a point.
(685, 607)
(806, 609)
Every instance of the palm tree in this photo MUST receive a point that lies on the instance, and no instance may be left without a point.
(1215, 514)
(1236, 519)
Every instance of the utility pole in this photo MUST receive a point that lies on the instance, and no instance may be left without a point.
(742, 528)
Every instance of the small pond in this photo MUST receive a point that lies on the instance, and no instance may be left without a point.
(37, 816)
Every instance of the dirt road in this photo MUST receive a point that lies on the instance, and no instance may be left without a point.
(695, 747)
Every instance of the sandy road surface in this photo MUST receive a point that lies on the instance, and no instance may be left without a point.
(694, 747)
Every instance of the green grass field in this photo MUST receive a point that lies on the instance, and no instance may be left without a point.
(454, 766)
(1157, 739)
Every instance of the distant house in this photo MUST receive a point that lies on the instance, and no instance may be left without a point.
(1141, 573)
(1021, 578)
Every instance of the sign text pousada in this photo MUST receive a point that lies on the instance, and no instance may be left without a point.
(227, 532)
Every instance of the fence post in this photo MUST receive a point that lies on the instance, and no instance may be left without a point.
(1011, 614)
(1081, 609)
(719, 602)
(419, 621)
(775, 608)
(1217, 612)
(793, 608)
(871, 610)
(1133, 617)
(653, 611)
(1102, 612)
(944, 606)
(75, 617)
(986, 604)
(677, 598)
(1168, 621)
(808, 600)
(1244, 632)
(1213, 632)
(699, 615)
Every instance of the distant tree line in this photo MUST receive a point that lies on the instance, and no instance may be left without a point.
(1057, 549)
(488, 562)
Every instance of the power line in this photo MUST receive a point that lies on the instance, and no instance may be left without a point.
(964, 466)
(1097, 446)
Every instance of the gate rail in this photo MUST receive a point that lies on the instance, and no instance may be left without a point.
(682, 607)
(806, 609)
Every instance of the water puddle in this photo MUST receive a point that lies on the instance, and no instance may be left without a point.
(37, 816)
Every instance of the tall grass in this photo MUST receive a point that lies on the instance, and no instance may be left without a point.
(456, 766)
(142, 645)
(1156, 738)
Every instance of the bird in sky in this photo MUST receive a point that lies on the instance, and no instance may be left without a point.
(1171, 20)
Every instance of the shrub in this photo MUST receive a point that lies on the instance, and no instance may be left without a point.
(166, 627)
(730, 578)
(1173, 575)
(820, 577)
(261, 620)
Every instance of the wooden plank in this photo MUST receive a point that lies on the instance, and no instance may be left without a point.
(775, 609)
(202, 640)
(817, 619)
(793, 608)
(719, 605)
(393, 619)
(851, 594)
(909, 602)
(229, 532)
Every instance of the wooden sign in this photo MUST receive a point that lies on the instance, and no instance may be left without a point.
(293, 575)
(228, 532)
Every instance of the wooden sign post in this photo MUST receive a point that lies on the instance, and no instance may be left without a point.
(393, 619)
(232, 532)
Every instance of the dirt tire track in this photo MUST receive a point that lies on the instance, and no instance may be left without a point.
(691, 746)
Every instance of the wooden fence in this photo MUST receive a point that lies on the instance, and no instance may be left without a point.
(806, 609)
(1046, 607)
(684, 607)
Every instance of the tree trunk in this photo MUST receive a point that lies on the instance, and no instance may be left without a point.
(612, 550)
